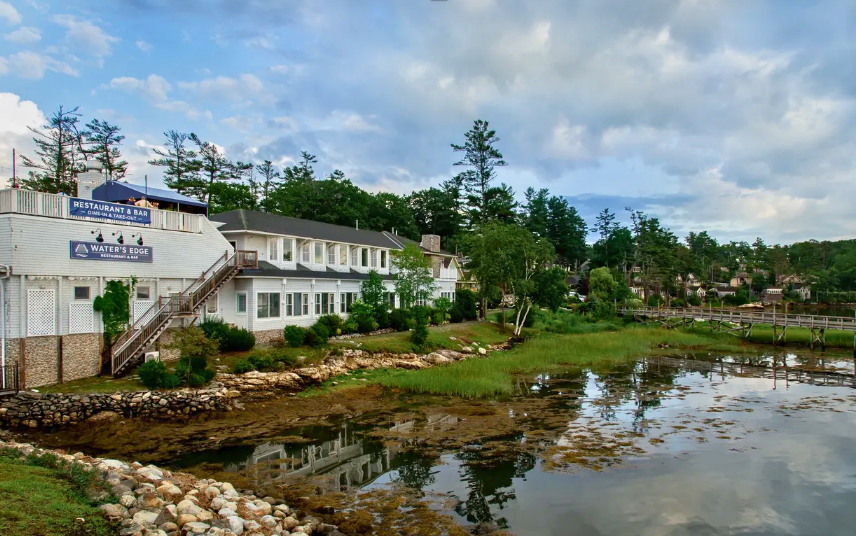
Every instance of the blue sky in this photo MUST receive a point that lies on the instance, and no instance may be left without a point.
(730, 116)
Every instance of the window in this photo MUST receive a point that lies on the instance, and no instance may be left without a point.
(287, 250)
(144, 293)
(319, 252)
(383, 259)
(289, 305)
(331, 303)
(347, 299)
(297, 302)
(343, 255)
(306, 304)
(81, 293)
(273, 249)
(233, 244)
(390, 296)
(268, 305)
(241, 303)
(355, 256)
(331, 255)
(304, 253)
(374, 254)
(211, 305)
(318, 305)
(365, 257)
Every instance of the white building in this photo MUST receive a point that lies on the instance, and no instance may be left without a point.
(258, 271)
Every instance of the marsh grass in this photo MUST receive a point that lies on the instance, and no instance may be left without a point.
(438, 337)
(763, 334)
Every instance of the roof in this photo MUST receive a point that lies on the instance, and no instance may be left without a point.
(267, 269)
(401, 241)
(122, 191)
(250, 220)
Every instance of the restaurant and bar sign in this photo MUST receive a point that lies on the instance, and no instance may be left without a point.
(98, 251)
(87, 208)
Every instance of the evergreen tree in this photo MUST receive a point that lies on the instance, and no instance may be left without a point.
(214, 168)
(567, 231)
(536, 213)
(482, 157)
(269, 177)
(103, 140)
(501, 205)
(59, 153)
(181, 163)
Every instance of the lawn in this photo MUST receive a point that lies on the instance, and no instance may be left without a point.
(465, 333)
(763, 334)
(43, 501)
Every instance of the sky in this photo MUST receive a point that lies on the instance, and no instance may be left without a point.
(733, 117)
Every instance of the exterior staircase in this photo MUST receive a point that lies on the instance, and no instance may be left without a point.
(131, 345)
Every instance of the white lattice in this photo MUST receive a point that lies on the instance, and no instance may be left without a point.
(81, 317)
(41, 313)
(140, 309)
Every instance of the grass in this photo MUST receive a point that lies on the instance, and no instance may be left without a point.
(494, 375)
(438, 337)
(42, 499)
(763, 334)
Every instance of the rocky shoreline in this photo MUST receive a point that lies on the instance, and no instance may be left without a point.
(150, 501)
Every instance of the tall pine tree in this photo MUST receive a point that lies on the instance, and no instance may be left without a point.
(481, 157)
(182, 166)
(59, 153)
(103, 140)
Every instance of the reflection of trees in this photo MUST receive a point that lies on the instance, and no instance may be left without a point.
(414, 469)
(638, 383)
(489, 484)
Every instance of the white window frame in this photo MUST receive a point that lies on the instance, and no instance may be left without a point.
(148, 292)
(318, 311)
(305, 304)
(305, 254)
(373, 255)
(355, 256)
(273, 250)
(289, 304)
(383, 262)
(364, 257)
(88, 293)
(288, 252)
(318, 253)
(331, 255)
(238, 296)
(343, 255)
(258, 302)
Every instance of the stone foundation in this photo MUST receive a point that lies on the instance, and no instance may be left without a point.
(41, 361)
(37, 410)
(81, 356)
(268, 336)
(161, 344)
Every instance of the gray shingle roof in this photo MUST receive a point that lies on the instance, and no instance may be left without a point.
(267, 269)
(249, 220)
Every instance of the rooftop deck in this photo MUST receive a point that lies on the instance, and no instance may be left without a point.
(15, 201)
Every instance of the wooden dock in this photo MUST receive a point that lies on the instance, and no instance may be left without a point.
(741, 322)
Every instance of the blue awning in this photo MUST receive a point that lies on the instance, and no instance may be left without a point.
(120, 192)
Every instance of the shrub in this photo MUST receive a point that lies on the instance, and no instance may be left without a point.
(214, 327)
(438, 316)
(237, 340)
(382, 318)
(401, 320)
(443, 303)
(419, 335)
(195, 349)
(677, 302)
(321, 333)
(295, 336)
(456, 315)
(152, 374)
(655, 300)
(171, 381)
(695, 301)
(466, 300)
(261, 361)
(350, 326)
(363, 314)
(333, 323)
(243, 365)
(316, 339)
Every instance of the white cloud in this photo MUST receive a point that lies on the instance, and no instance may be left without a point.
(279, 69)
(8, 12)
(354, 121)
(224, 88)
(24, 35)
(260, 42)
(285, 123)
(155, 90)
(144, 46)
(86, 36)
(17, 116)
(33, 66)
(4, 66)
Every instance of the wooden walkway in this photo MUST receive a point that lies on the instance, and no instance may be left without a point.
(741, 322)
(783, 373)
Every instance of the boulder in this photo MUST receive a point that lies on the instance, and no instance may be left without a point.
(144, 517)
(184, 519)
(169, 514)
(114, 511)
(195, 527)
(236, 524)
(188, 507)
(170, 492)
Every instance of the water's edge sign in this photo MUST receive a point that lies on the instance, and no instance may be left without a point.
(87, 208)
(95, 251)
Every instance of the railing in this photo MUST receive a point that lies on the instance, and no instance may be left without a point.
(746, 317)
(150, 323)
(9, 379)
(19, 201)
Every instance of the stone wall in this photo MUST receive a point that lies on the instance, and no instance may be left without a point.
(161, 344)
(81, 356)
(41, 361)
(268, 336)
(37, 410)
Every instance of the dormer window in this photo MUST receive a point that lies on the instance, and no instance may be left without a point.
(343, 255)
(355, 256)
(331, 255)
(319, 252)
(273, 249)
(364, 257)
(304, 253)
(383, 259)
(287, 250)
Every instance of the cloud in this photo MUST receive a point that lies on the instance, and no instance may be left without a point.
(24, 35)
(144, 46)
(286, 123)
(225, 88)
(85, 36)
(155, 90)
(33, 66)
(4, 66)
(9, 13)
(17, 116)
(279, 69)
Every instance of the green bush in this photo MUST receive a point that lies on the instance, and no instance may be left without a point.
(695, 301)
(316, 339)
(152, 374)
(214, 327)
(677, 302)
(363, 314)
(333, 323)
(655, 300)
(400, 320)
(237, 340)
(456, 316)
(195, 349)
(350, 326)
(321, 333)
(381, 316)
(467, 301)
(295, 336)
(438, 316)
(419, 335)
(261, 361)
(243, 365)
(171, 381)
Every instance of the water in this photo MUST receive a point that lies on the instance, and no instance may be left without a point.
(712, 446)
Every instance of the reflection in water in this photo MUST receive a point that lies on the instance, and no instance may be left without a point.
(708, 445)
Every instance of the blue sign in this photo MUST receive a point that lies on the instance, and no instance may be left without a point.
(87, 208)
(99, 251)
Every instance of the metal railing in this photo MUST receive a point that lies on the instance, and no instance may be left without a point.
(17, 201)
(151, 323)
(772, 318)
(9, 379)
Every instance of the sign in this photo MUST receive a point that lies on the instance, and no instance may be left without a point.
(99, 251)
(87, 208)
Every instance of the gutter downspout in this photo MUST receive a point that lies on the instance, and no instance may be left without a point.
(7, 273)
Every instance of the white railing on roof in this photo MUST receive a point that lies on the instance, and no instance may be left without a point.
(18, 201)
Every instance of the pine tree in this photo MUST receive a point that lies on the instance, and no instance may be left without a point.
(181, 163)
(269, 177)
(536, 213)
(60, 155)
(480, 155)
(103, 141)
(214, 167)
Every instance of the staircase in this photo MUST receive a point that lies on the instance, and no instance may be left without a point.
(131, 345)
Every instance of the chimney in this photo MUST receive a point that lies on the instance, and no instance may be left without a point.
(89, 180)
(431, 242)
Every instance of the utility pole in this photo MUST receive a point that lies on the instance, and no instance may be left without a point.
(14, 175)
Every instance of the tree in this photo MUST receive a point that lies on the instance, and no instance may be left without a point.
(303, 171)
(60, 154)
(501, 205)
(182, 166)
(269, 177)
(480, 155)
(536, 213)
(602, 287)
(567, 231)
(103, 140)
(214, 167)
(436, 211)
(114, 306)
(604, 226)
(551, 288)
(230, 196)
(373, 293)
(414, 280)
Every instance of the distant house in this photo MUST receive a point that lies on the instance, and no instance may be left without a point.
(722, 292)
(804, 290)
(786, 280)
(741, 278)
(772, 294)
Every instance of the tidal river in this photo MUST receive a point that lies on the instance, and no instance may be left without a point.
(693, 445)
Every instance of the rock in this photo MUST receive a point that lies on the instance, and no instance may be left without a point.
(269, 521)
(183, 519)
(324, 528)
(251, 526)
(217, 503)
(188, 507)
(121, 489)
(482, 351)
(205, 515)
(144, 517)
(467, 349)
(301, 529)
(226, 513)
(236, 524)
(149, 500)
(225, 486)
(114, 511)
(170, 492)
(196, 527)
(168, 527)
(104, 417)
(282, 508)
(262, 508)
(212, 492)
(169, 514)
(289, 523)
(127, 500)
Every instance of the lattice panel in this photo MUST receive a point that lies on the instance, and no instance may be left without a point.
(81, 317)
(140, 308)
(41, 313)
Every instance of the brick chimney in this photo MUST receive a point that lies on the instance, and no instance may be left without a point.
(431, 242)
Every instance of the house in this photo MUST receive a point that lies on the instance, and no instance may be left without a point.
(722, 292)
(741, 278)
(772, 294)
(804, 290)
